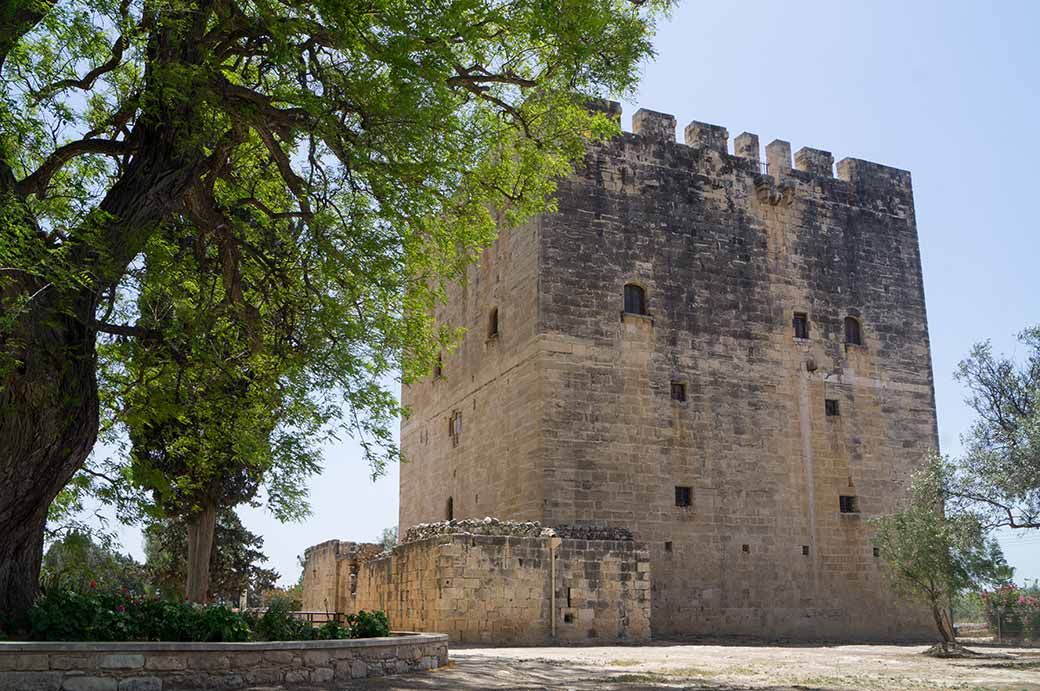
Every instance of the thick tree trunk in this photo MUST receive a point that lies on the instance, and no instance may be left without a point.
(48, 424)
(941, 623)
(201, 528)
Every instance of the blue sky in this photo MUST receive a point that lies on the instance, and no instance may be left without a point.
(949, 91)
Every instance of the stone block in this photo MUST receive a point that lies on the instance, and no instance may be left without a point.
(295, 676)
(165, 663)
(358, 669)
(264, 675)
(322, 675)
(30, 681)
(122, 661)
(141, 684)
(209, 661)
(90, 684)
(81, 663)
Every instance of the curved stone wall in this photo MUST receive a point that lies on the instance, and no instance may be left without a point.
(144, 666)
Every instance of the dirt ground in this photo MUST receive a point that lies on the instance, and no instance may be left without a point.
(713, 667)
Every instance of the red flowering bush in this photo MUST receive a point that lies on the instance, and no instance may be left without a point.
(1013, 612)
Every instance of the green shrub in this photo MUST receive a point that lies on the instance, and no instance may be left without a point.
(66, 614)
(368, 624)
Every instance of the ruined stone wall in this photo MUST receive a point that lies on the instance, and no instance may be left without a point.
(492, 382)
(330, 570)
(727, 256)
(495, 585)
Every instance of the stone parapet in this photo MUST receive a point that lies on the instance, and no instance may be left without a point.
(151, 666)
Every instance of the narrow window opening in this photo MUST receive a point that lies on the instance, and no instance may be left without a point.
(678, 391)
(451, 509)
(635, 299)
(438, 367)
(877, 552)
(746, 549)
(455, 427)
(853, 332)
(493, 323)
(668, 546)
(830, 406)
(848, 503)
(683, 496)
(569, 598)
(801, 325)
(805, 550)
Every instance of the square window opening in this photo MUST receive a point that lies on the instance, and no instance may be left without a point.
(830, 406)
(805, 550)
(679, 391)
(746, 549)
(848, 503)
(801, 325)
(683, 496)
(668, 546)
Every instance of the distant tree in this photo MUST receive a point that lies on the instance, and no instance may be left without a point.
(235, 563)
(79, 559)
(388, 538)
(998, 477)
(932, 557)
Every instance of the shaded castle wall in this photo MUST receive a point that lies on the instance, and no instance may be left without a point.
(494, 384)
(497, 587)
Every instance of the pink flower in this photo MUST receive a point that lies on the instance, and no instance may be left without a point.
(120, 608)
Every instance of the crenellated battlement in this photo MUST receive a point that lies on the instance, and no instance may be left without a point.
(661, 128)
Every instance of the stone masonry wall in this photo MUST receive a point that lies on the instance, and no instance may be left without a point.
(590, 433)
(495, 585)
(70, 666)
(727, 256)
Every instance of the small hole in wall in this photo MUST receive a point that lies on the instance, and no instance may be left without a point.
(568, 618)
(668, 547)
(521, 563)
(877, 552)
(805, 550)
(746, 549)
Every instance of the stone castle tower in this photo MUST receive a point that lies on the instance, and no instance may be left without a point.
(730, 359)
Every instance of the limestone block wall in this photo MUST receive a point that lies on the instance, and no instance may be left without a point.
(591, 433)
(498, 587)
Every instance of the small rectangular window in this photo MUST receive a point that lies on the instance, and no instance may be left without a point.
(830, 405)
(678, 391)
(801, 325)
(746, 549)
(668, 547)
(805, 550)
(848, 504)
(455, 427)
(683, 496)
(877, 552)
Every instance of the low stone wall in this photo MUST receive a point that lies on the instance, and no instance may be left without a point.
(69, 666)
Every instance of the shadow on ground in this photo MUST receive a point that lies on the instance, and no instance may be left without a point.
(480, 674)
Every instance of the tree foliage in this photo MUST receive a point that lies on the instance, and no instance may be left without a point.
(347, 157)
(933, 557)
(998, 477)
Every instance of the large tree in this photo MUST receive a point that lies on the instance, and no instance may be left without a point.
(338, 123)
(998, 476)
